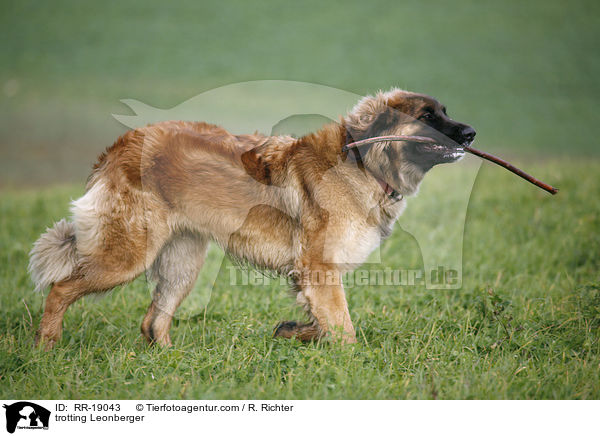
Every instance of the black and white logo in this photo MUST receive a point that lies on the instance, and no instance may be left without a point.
(26, 415)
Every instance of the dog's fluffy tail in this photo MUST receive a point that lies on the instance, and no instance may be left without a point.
(54, 255)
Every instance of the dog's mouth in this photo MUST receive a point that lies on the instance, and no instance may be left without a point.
(443, 152)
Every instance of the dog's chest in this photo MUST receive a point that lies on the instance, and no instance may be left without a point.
(353, 241)
(351, 244)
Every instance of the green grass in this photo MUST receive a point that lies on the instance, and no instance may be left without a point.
(526, 323)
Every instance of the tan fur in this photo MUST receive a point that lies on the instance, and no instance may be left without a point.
(54, 255)
(299, 207)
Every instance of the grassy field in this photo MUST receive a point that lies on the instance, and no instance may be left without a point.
(526, 323)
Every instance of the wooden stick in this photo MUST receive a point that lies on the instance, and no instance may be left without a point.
(551, 189)
(422, 139)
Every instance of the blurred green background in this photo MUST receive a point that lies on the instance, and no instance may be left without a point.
(524, 73)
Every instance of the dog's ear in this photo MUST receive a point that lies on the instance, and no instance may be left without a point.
(382, 123)
(256, 166)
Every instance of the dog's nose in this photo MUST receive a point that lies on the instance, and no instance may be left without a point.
(468, 133)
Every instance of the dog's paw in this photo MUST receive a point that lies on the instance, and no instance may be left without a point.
(301, 331)
(286, 329)
(43, 342)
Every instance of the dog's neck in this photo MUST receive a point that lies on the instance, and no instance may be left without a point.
(395, 179)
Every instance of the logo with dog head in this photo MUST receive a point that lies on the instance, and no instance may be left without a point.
(26, 415)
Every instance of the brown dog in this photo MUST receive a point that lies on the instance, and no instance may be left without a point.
(301, 207)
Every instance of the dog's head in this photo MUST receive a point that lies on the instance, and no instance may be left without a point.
(403, 164)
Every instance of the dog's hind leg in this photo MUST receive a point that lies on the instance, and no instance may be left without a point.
(176, 269)
(61, 296)
(66, 292)
(100, 272)
(96, 277)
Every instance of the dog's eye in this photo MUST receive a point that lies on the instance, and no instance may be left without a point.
(426, 116)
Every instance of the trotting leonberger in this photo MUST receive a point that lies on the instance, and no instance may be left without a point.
(305, 208)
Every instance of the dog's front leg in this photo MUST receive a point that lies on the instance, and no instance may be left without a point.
(322, 288)
(321, 293)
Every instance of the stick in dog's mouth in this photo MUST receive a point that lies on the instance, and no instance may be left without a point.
(425, 140)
